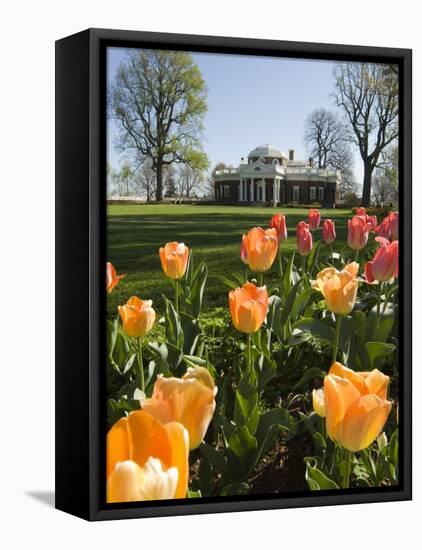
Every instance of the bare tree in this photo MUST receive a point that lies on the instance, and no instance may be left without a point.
(190, 180)
(145, 180)
(368, 93)
(159, 101)
(327, 143)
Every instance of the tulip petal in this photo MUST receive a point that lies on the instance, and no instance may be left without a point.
(377, 383)
(179, 441)
(118, 444)
(363, 422)
(124, 482)
(339, 394)
(149, 438)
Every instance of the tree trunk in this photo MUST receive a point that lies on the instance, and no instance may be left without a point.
(159, 194)
(367, 181)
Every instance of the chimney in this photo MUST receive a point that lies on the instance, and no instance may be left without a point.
(291, 154)
(311, 162)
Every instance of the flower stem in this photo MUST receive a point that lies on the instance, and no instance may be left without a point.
(346, 481)
(356, 255)
(335, 349)
(249, 353)
(261, 278)
(176, 301)
(280, 265)
(141, 365)
(303, 264)
(332, 253)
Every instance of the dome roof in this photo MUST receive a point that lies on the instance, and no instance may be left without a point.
(266, 150)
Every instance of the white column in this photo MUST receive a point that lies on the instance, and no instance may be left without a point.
(264, 191)
(251, 188)
(274, 190)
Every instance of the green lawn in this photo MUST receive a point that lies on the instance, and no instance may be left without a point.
(214, 233)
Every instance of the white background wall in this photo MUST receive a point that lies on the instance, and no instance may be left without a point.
(27, 272)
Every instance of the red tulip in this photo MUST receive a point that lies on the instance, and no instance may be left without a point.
(360, 211)
(328, 231)
(393, 219)
(314, 218)
(358, 232)
(373, 221)
(385, 263)
(278, 222)
(304, 240)
(300, 226)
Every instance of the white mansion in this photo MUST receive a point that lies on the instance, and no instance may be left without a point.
(269, 176)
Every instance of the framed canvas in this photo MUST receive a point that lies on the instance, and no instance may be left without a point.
(231, 332)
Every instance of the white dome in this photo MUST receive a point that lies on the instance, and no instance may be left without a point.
(266, 150)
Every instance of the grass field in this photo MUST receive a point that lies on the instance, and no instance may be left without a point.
(214, 233)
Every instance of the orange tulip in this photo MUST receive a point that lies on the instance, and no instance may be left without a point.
(259, 248)
(174, 259)
(156, 449)
(138, 317)
(248, 307)
(385, 264)
(278, 222)
(358, 232)
(314, 218)
(112, 279)
(328, 231)
(189, 400)
(338, 287)
(356, 406)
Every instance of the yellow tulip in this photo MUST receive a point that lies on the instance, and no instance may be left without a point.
(248, 307)
(189, 400)
(356, 406)
(174, 259)
(138, 316)
(338, 287)
(129, 482)
(318, 402)
(139, 438)
(259, 248)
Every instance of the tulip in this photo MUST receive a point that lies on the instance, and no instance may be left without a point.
(304, 239)
(189, 400)
(278, 222)
(373, 221)
(174, 259)
(112, 279)
(300, 226)
(393, 219)
(356, 406)
(314, 219)
(131, 483)
(138, 317)
(385, 263)
(248, 307)
(318, 402)
(383, 229)
(360, 211)
(139, 437)
(358, 232)
(328, 231)
(259, 248)
(338, 287)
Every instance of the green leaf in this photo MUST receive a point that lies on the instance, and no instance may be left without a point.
(287, 275)
(310, 374)
(377, 350)
(246, 404)
(241, 452)
(173, 325)
(215, 458)
(313, 256)
(318, 328)
(316, 479)
(378, 330)
(226, 281)
(191, 333)
(237, 488)
(287, 308)
(197, 290)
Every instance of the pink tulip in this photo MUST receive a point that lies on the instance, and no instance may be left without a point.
(328, 231)
(278, 222)
(373, 221)
(358, 232)
(304, 240)
(314, 218)
(385, 263)
(383, 229)
(300, 226)
(393, 219)
(360, 211)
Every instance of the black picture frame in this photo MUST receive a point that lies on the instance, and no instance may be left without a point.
(80, 257)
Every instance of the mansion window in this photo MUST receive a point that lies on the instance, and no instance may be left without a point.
(226, 191)
(312, 193)
(295, 193)
(320, 193)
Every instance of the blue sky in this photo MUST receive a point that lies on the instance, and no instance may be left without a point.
(251, 101)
